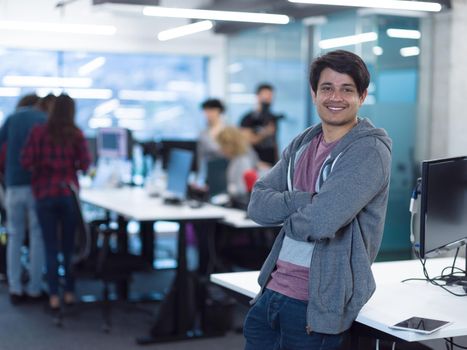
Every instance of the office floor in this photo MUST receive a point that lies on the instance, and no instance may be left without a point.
(28, 326)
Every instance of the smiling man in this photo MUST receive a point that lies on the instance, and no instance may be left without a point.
(329, 191)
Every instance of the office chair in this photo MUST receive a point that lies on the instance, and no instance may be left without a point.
(94, 258)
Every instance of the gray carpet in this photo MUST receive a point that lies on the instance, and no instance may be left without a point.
(28, 326)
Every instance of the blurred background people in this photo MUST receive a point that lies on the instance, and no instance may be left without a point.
(242, 158)
(54, 153)
(19, 202)
(260, 125)
(207, 147)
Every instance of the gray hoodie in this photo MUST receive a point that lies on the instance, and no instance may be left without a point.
(344, 221)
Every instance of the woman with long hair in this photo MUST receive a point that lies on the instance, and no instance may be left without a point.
(54, 153)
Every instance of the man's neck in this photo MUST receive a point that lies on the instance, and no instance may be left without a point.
(333, 133)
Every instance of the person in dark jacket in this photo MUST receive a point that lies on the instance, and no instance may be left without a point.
(329, 191)
(19, 201)
(54, 153)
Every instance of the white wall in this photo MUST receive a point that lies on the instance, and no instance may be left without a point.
(135, 33)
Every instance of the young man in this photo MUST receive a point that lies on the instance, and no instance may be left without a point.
(330, 191)
(19, 201)
(260, 125)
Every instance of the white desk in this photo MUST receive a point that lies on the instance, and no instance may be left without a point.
(393, 301)
(134, 203)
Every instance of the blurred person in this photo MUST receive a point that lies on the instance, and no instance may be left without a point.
(329, 191)
(54, 153)
(241, 156)
(19, 201)
(260, 125)
(208, 148)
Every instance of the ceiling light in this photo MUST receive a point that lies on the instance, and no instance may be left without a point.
(84, 94)
(147, 95)
(59, 27)
(9, 92)
(130, 113)
(377, 50)
(34, 81)
(254, 17)
(380, 4)
(188, 29)
(101, 122)
(403, 33)
(348, 40)
(106, 107)
(91, 66)
(90, 94)
(410, 51)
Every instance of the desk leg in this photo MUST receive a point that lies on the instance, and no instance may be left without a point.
(147, 241)
(177, 315)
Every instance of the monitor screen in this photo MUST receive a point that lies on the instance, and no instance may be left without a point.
(166, 147)
(443, 215)
(113, 143)
(178, 171)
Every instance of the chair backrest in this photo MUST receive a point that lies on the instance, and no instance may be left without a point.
(83, 240)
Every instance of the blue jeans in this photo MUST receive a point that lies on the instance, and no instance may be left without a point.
(20, 209)
(276, 322)
(55, 212)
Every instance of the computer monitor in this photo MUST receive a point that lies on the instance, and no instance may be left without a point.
(216, 177)
(114, 143)
(167, 145)
(178, 170)
(443, 214)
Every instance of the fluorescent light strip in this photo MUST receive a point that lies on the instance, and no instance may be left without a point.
(9, 92)
(101, 122)
(90, 94)
(130, 113)
(348, 40)
(80, 94)
(403, 33)
(410, 51)
(106, 107)
(146, 95)
(59, 27)
(252, 17)
(34, 81)
(380, 4)
(189, 29)
(91, 66)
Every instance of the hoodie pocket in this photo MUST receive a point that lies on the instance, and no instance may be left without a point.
(335, 282)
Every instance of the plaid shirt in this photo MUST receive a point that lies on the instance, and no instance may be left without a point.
(54, 166)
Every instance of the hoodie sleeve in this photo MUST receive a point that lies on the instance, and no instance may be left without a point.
(271, 202)
(358, 176)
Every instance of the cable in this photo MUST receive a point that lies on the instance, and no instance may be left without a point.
(433, 281)
(451, 342)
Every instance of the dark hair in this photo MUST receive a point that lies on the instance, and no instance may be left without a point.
(28, 100)
(212, 103)
(344, 62)
(46, 103)
(264, 86)
(61, 123)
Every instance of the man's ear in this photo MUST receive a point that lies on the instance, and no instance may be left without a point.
(363, 96)
(313, 95)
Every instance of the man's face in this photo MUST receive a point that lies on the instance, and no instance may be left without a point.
(265, 96)
(212, 115)
(336, 98)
